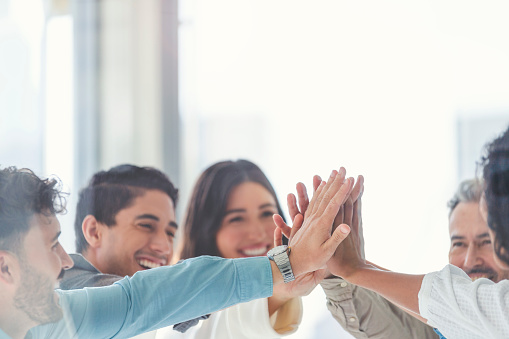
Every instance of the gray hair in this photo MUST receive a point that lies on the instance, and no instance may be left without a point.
(469, 190)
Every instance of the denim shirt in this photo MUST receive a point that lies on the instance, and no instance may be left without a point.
(158, 297)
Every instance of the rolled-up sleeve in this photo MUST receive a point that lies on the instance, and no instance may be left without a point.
(365, 314)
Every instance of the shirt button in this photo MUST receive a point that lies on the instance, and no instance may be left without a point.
(344, 284)
(352, 319)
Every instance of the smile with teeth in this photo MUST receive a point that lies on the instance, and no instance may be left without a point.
(254, 251)
(148, 264)
(474, 278)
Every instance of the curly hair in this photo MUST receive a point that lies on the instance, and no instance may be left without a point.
(208, 202)
(496, 176)
(23, 194)
(111, 191)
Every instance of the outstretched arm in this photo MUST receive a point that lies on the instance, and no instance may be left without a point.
(314, 236)
(362, 312)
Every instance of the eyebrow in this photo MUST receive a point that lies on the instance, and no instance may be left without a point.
(238, 210)
(241, 210)
(153, 217)
(480, 236)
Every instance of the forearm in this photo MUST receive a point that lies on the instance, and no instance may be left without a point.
(275, 302)
(365, 314)
(401, 289)
(161, 297)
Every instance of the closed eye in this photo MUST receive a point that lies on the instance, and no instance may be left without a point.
(147, 226)
(268, 214)
(486, 242)
(236, 219)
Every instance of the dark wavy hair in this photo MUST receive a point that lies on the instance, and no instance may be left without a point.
(23, 194)
(111, 191)
(207, 206)
(496, 176)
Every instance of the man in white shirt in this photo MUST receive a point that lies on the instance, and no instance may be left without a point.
(449, 300)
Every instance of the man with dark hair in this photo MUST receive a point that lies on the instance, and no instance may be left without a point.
(32, 261)
(125, 222)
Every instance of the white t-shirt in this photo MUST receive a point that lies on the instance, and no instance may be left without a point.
(460, 308)
(247, 320)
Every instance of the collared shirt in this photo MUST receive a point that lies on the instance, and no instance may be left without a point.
(158, 297)
(84, 274)
(365, 314)
(460, 308)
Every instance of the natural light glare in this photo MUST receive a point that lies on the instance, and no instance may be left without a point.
(377, 87)
(59, 131)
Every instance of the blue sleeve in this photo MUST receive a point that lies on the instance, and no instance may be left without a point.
(439, 334)
(160, 297)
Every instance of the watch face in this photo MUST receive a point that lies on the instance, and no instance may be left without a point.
(277, 250)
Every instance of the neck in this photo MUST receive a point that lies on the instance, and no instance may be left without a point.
(13, 322)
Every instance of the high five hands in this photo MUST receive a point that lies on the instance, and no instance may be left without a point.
(349, 254)
(315, 242)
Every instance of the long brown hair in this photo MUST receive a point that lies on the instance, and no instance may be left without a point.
(207, 206)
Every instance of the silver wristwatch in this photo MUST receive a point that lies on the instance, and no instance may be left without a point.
(279, 255)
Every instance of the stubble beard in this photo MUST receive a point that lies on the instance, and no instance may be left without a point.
(36, 297)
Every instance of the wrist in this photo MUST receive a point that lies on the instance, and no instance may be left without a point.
(281, 294)
(277, 278)
(280, 256)
(358, 275)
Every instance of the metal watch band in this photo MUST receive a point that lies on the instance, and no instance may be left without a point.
(283, 263)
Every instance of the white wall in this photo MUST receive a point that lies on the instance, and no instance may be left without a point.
(378, 87)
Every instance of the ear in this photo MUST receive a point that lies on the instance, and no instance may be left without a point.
(92, 230)
(9, 267)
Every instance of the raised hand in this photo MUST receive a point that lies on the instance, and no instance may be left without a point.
(303, 284)
(350, 253)
(314, 243)
(303, 199)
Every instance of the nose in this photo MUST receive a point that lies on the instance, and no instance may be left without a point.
(160, 243)
(472, 257)
(257, 231)
(66, 260)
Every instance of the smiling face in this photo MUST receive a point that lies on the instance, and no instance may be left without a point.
(42, 265)
(471, 248)
(141, 238)
(247, 229)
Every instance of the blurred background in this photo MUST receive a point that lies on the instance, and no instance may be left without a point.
(404, 92)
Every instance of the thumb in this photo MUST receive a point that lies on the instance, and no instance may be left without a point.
(337, 237)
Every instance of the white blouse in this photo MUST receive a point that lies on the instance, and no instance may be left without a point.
(247, 320)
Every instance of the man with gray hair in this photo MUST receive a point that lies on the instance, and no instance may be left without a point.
(471, 248)
(365, 314)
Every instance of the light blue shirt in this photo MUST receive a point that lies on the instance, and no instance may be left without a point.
(158, 297)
